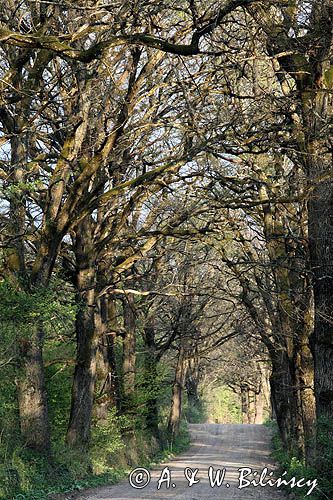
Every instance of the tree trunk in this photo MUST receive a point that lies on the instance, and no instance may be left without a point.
(83, 388)
(265, 393)
(293, 322)
(252, 406)
(303, 361)
(315, 100)
(30, 383)
(192, 383)
(31, 387)
(31, 393)
(245, 404)
(282, 397)
(177, 390)
(291, 398)
(150, 381)
(108, 395)
(321, 247)
(320, 227)
(260, 406)
(129, 346)
(101, 403)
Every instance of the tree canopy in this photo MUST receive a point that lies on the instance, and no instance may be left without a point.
(166, 224)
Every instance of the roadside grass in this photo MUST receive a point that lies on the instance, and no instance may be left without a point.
(30, 477)
(322, 469)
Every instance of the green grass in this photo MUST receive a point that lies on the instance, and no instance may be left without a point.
(322, 469)
(28, 476)
(116, 447)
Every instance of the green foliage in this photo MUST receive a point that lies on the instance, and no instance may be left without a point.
(58, 379)
(117, 445)
(328, 76)
(149, 387)
(180, 444)
(27, 475)
(107, 442)
(322, 467)
(9, 423)
(152, 381)
(196, 413)
(23, 308)
(223, 406)
(14, 190)
(32, 477)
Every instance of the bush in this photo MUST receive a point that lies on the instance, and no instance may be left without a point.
(196, 413)
(322, 469)
(324, 465)
(118, 444)
(223, 406)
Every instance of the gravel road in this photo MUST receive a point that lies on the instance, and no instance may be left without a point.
(220, 446)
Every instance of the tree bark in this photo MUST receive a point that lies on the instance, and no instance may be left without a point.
(252, 406)
(321, 251)
(314, 100)
(283, 398)
(264, 412)
(292, 324)
(108, 395)
(78, 433)
(30, 383)
(192, 383)
(31, 393)
(245, 404)
(304, 381)
(129, 346)
(309, 69)
(177, 391)
(260, 406)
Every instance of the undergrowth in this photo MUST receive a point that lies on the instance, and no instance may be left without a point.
(117, 445)
(28, 476)
(321, 469)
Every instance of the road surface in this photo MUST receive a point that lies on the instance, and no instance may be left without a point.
(229, 447)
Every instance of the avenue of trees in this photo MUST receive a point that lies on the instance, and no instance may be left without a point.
(166, 223)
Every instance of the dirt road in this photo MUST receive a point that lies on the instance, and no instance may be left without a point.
(228, 447)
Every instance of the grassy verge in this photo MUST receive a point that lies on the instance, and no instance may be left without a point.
(30, 477)
(322, 468)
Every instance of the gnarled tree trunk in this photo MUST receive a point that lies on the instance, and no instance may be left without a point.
(83, 388)
(31, 393)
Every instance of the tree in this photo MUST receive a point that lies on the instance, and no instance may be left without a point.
(103, 124)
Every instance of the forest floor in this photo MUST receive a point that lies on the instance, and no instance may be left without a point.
(228, 447)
